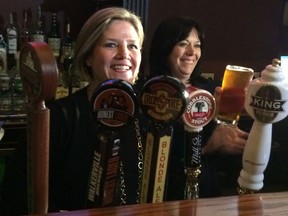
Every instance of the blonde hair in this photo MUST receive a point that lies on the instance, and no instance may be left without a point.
(93, 30)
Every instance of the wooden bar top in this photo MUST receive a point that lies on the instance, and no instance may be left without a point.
(253, 205)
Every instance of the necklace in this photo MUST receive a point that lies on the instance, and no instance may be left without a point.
(140, 168)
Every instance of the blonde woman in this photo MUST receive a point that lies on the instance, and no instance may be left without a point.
(108, 46)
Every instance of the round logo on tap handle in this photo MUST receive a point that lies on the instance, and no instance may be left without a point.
(114, 103)
(38, 71)
(200, 109)
(163, 99)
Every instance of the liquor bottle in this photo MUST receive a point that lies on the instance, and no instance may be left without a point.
(67, 58)
(3, 55)
(30, 21)
(4, 78)
(39, 33)
(25, 32)
(12, 41)
(67, 46)
(12, 35)
(54, 37)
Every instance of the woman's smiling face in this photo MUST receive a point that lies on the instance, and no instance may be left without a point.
(117, 55)
(184, 57)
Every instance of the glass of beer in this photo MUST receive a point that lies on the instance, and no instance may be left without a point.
(234, 85)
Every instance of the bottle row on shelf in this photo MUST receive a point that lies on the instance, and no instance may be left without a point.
(12, 97)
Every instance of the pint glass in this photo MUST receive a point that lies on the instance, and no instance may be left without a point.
(234, 84)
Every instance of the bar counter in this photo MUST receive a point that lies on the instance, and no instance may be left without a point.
(253, 205)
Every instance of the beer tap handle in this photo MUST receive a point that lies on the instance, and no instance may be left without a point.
(255, 158)
(163, 100)
(200, 111)
(38, 71)
(193, 149)
(266, 102)
(114, 105)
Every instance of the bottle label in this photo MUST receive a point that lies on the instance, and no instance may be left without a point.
(38, 38)
(4, 82)
(67, 51)
(18, 84)
(12, 41)
(55, 45)
(3, 60)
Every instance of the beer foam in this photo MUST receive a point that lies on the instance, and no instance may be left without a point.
(239, 68)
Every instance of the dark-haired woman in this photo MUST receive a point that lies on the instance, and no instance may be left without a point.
(176, 49)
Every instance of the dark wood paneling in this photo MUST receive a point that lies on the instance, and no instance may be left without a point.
(237, 32)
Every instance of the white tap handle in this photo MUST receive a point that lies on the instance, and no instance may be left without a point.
(266, 102)
(256, 156)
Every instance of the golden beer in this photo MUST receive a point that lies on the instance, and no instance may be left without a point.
(234, 84)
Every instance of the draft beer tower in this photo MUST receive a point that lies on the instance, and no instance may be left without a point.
(266, 102)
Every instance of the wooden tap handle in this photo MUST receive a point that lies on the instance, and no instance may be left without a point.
(38, 71)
